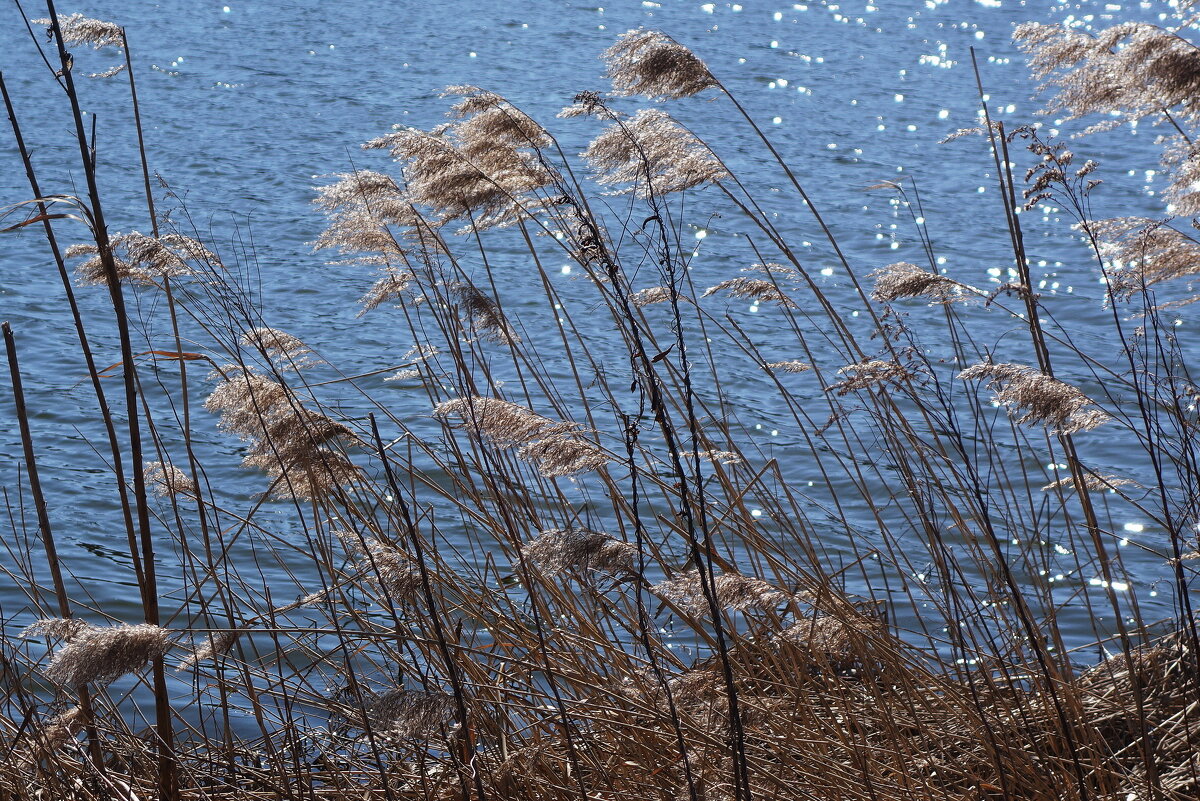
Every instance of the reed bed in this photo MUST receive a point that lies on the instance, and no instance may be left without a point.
(561, 566)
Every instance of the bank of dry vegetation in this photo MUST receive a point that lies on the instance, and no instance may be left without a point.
(573, 574)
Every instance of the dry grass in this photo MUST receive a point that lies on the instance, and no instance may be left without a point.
(562, 567)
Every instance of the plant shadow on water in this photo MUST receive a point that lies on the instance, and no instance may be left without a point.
(549, 551)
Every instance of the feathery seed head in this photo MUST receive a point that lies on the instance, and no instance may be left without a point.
(791, 366)
(1038, 397)
(757, 289)
(868, 374)
(57, 627)
(558, 449)
(168, 480)
(649, 63)
(560, 549)
(731, 591)
(294, 445)
(905, 280)
(213, 644)
(285, 351)
(652, 154)
(409, 715)
(80, 30)
(646, 297)
(99, 655)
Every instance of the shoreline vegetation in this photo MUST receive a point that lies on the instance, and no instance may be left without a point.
(572, 575)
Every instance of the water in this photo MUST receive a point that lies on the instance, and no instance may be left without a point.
(250, 105)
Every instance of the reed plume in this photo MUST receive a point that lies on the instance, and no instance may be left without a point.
(168, 480)
(102, 654)
(756, 289)
(370, 221)
(487, 319)
(212, 645)
(285, 351)
(294, 445)
(558, 449)
(1038, 398)
(649, 63)
(1128, 71)
(790, 366)
(868, 374)
(393, 570)
(905, 280)
(80, 30)
(144, 260)
(731, 591)
(483, 167)
(557, 550)
(651, 154)
(1140, 253)
(408, 714)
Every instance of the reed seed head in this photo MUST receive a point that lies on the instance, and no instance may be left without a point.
(393, 570)
(409, 715)
(168, 480)
(868, 374)
(558, 449)
(792, 366)
(650, 63)
(905, 280)
(651, 154)
(296, 446)
(59, 628)
(212, 645)
(285, 351)
(80, 30)
(1038, 398)
(758, 290)
(730, 590)
(561, 549)
(102, 654)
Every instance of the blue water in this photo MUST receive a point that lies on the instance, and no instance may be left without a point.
(248, 106)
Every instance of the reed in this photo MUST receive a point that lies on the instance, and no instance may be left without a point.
(560, 566)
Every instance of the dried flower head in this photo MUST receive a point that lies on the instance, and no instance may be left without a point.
(558, 449)
(1129, 71)
(652, 154)
(213, 644)
(756, 289)
(393, 570)
(1038, 397)
(52, 735)
(371, 221)
(100, 655)
(1140, 253)
(485, 167)
(80, 30)
(298, 447)
(486, 318)
(144, 260)
(57, 627)
(389, 288)
(654, 294)
(868, 374)
(1092, 482)
(649, 63)
(792, 366)
(560, 549)
(168, 480)
(731, 591)
(588, 104)
(904, 280)
(285, 351)
(409, 715)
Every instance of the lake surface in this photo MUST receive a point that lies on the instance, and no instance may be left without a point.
(248, 106)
